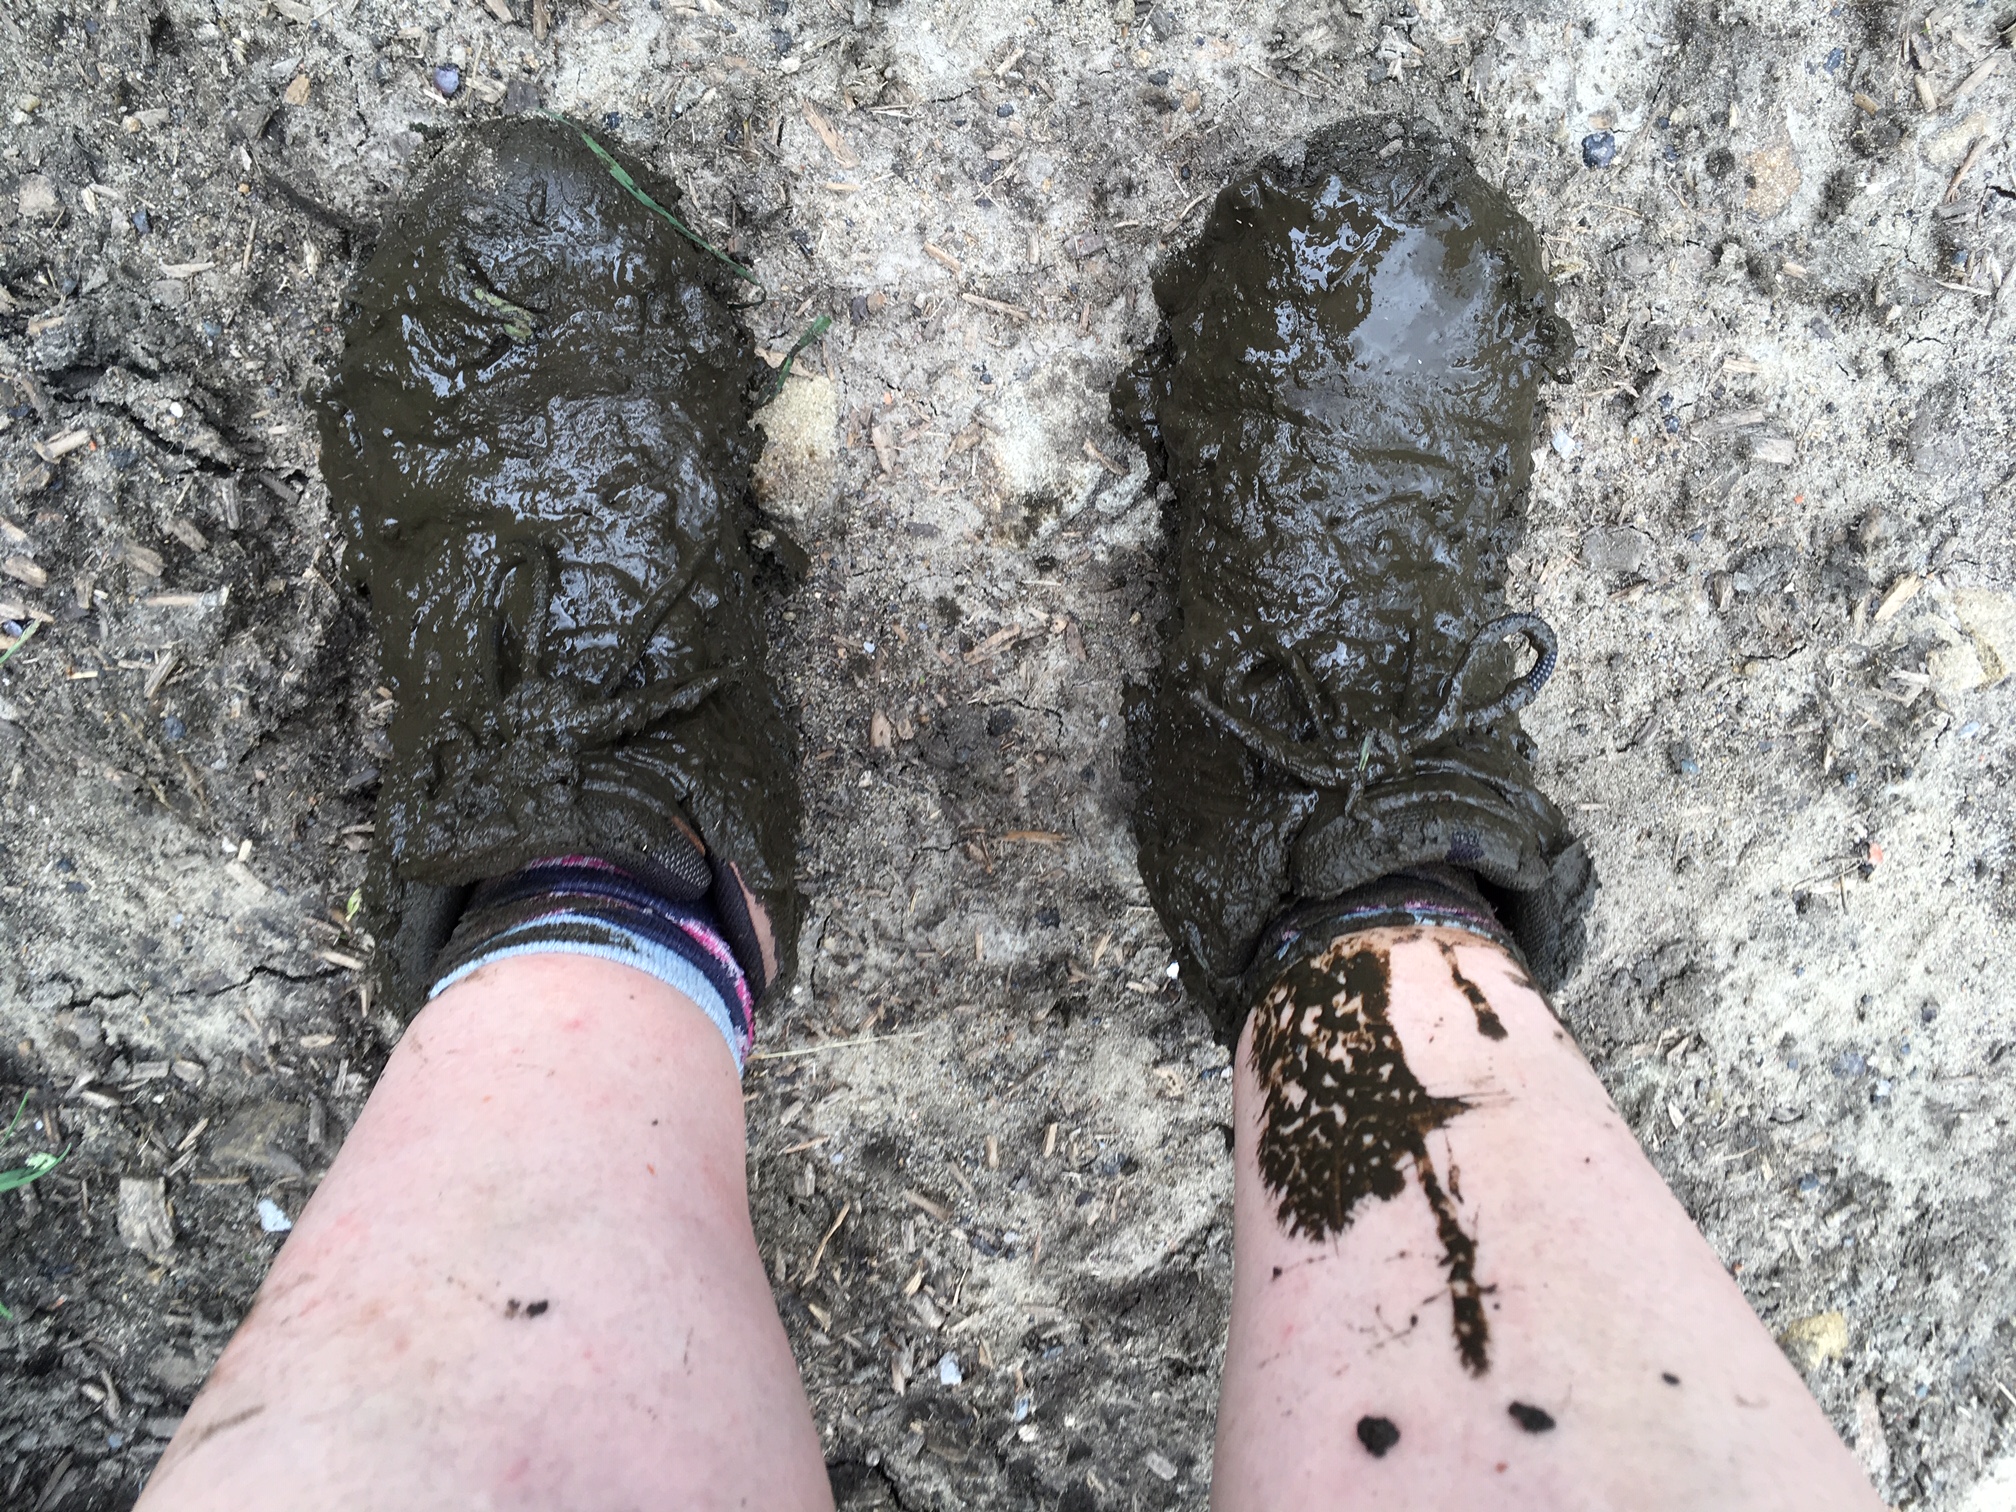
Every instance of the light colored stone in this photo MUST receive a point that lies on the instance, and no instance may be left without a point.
(1989, 620)
(1616, 548)
(1773, 176)
(1813, 1340)
(38, 198)
(798, 476)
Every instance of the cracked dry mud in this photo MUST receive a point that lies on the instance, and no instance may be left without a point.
(1770, 517)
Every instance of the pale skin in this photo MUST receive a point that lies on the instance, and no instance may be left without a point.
(567, 1130)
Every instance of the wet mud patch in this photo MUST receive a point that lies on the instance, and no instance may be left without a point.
(1343, 1116)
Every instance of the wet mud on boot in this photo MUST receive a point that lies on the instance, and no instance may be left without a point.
(1341, 399)
(539, 443)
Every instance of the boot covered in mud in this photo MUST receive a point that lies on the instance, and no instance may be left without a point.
(539, 443)
(1342, 401)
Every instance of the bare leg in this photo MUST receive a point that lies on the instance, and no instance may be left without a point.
(1459, 1283)
(528, 1281)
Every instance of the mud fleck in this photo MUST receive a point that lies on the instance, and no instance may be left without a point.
(1488, 1023)
(1532, 1419)
(1343, 1115)
(1378, 1435)
(514, 1308)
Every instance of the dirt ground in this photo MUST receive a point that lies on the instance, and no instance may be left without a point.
(1772, 522)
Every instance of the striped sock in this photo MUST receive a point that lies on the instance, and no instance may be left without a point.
(579, 905)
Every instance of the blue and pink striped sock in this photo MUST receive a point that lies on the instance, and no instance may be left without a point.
(579, 905)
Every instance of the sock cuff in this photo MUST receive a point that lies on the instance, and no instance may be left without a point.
(580, 905)
(1423, 897)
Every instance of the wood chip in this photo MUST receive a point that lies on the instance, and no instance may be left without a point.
(185, 270)
(1896, 596)
(885, 449)
(163, 669)
(338, 958)
(297, 92)
(836, 144)
(1000, 639)
(1104, 461)
(826, 1239)
(924, 1204)
(142, 559)
(996, 305)
(939, 255)
(1867, 104)
(1966, 167)
(144, 1221)
(1928, 97)
(1035, 837)
(23, 570)
(881, 732)
(1974, 80)
(501, 11)
(63, 445)
(1741, 419)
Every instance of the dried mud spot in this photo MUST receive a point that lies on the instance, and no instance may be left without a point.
(1343, 1116)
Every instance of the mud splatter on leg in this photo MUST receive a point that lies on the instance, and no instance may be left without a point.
(1488, 1023)
(1343, 1118)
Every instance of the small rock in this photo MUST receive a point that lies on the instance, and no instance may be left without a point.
(144, 1223)
(272, 1218)
(1159, 1465)
(447, 79)
(176, 1370)
(170, 293)
(949, 1373)
(521, 97)
(798, 475)
(1680, 756)
(1599, 149)
(1812, 1340)
(1616, 548)
(38, 198)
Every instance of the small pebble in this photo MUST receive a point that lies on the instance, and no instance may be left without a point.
(141, 223)
(1599, 149)
(172, 728)
(1004, 110)
(447, 80)
(949, 1373)
(271, 1218)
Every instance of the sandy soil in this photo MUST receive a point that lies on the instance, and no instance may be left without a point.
(1772, 521)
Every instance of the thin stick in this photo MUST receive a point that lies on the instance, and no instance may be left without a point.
(865, 1039)
(820, 1253)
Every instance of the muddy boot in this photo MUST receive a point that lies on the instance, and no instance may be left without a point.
(1342, 401)
(539, 443)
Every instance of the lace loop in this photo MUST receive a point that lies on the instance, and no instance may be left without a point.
(1331, 764)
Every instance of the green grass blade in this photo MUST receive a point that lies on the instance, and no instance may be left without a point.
(813, 332)
(37, 1167)
(622, 176)
(27, 635)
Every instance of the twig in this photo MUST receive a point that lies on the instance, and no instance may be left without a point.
(820, 1253)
